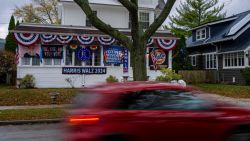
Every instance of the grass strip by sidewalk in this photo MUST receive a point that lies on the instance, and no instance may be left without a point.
(31, 114)
(234, 91)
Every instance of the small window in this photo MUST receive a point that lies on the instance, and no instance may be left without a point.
(211, 61)
(232, 60)
(201, 34)
(68, 57)
(193, 60)
(35, 61)
(144, 20)
(47, 61)
(88, 23)
(26, 61)
(57, 62)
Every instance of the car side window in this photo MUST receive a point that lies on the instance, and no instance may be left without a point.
(162, 100)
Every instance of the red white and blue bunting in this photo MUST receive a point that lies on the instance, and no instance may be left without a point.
(150, 41)
(64, 39)
(106, 40)
(166, 44)
(85, 40)
(47, 38)
(26, 39)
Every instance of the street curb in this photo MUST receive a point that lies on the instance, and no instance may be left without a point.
(23, 122)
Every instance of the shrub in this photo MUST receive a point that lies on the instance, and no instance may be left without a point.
(28, 81)
(168, 75)
(111, 79)
(71, 81)
(246, 74)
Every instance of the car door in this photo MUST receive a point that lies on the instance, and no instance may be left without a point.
(175, 116)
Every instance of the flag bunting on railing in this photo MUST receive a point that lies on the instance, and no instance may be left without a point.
(85, 40)
(47, 38)
(26, 39)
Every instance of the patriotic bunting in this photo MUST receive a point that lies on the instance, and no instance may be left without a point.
(46, 38)
(29, 39)
(106, 40)
(166, 44)
(64, 39)
(26, 39)
(85, 40)
(150, 41)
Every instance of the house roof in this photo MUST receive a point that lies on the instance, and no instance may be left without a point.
(231, 28)
(77, 30)
(2, 43)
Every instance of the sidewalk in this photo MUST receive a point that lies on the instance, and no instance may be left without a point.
(33, 107)
(244, 102)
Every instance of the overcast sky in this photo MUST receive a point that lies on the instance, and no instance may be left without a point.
(7, 6)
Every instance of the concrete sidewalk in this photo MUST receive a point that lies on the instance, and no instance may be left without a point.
(33, 107)
(244, 102)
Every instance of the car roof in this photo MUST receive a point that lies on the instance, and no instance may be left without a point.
(126, 87)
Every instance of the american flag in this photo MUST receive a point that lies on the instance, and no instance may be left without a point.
(17, 56)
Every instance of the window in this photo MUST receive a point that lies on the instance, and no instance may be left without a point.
(211, 61)
(193, 60)
(162, 100)
(26, 61)
(144, 20)
(201, 34)
(234, 60)
(88, 23)
(35, 61)
(47, 61)
(57, 62)
(68, 57)
(95, 59)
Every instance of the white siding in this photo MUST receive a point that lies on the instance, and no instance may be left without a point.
(52, 77)
(116, 16)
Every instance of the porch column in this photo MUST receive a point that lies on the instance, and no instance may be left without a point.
(170, 66)
(102, 57)
(64, 55)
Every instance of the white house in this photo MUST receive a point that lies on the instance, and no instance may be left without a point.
(78, 52)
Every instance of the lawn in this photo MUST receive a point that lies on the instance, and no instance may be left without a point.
(31, 114)
(234, 91)
(11, 96)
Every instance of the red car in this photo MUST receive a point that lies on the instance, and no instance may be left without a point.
(148, 111)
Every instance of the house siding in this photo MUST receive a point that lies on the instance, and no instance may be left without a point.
(226, 76)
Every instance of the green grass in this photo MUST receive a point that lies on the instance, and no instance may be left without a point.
(11, 96)
(31, 114)
(234, 91)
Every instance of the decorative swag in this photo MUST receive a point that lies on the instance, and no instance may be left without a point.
(29, 39)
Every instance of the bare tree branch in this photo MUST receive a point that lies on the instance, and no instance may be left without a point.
(159, 20)
(130, 6)
(99, 24)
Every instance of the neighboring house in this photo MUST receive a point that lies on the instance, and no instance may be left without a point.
(222, 46)
(77, 51)
(2, 44)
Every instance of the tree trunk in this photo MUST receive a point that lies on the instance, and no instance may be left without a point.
(8, 78)
(139, 61)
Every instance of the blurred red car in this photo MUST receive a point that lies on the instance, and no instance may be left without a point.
(147, 111)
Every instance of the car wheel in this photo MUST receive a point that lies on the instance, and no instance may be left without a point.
(240, 136)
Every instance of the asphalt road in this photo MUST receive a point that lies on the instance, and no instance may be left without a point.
(38, 132)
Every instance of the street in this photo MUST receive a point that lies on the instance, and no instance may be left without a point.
(38, 132)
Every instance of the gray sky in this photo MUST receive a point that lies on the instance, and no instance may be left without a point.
(7, 6)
